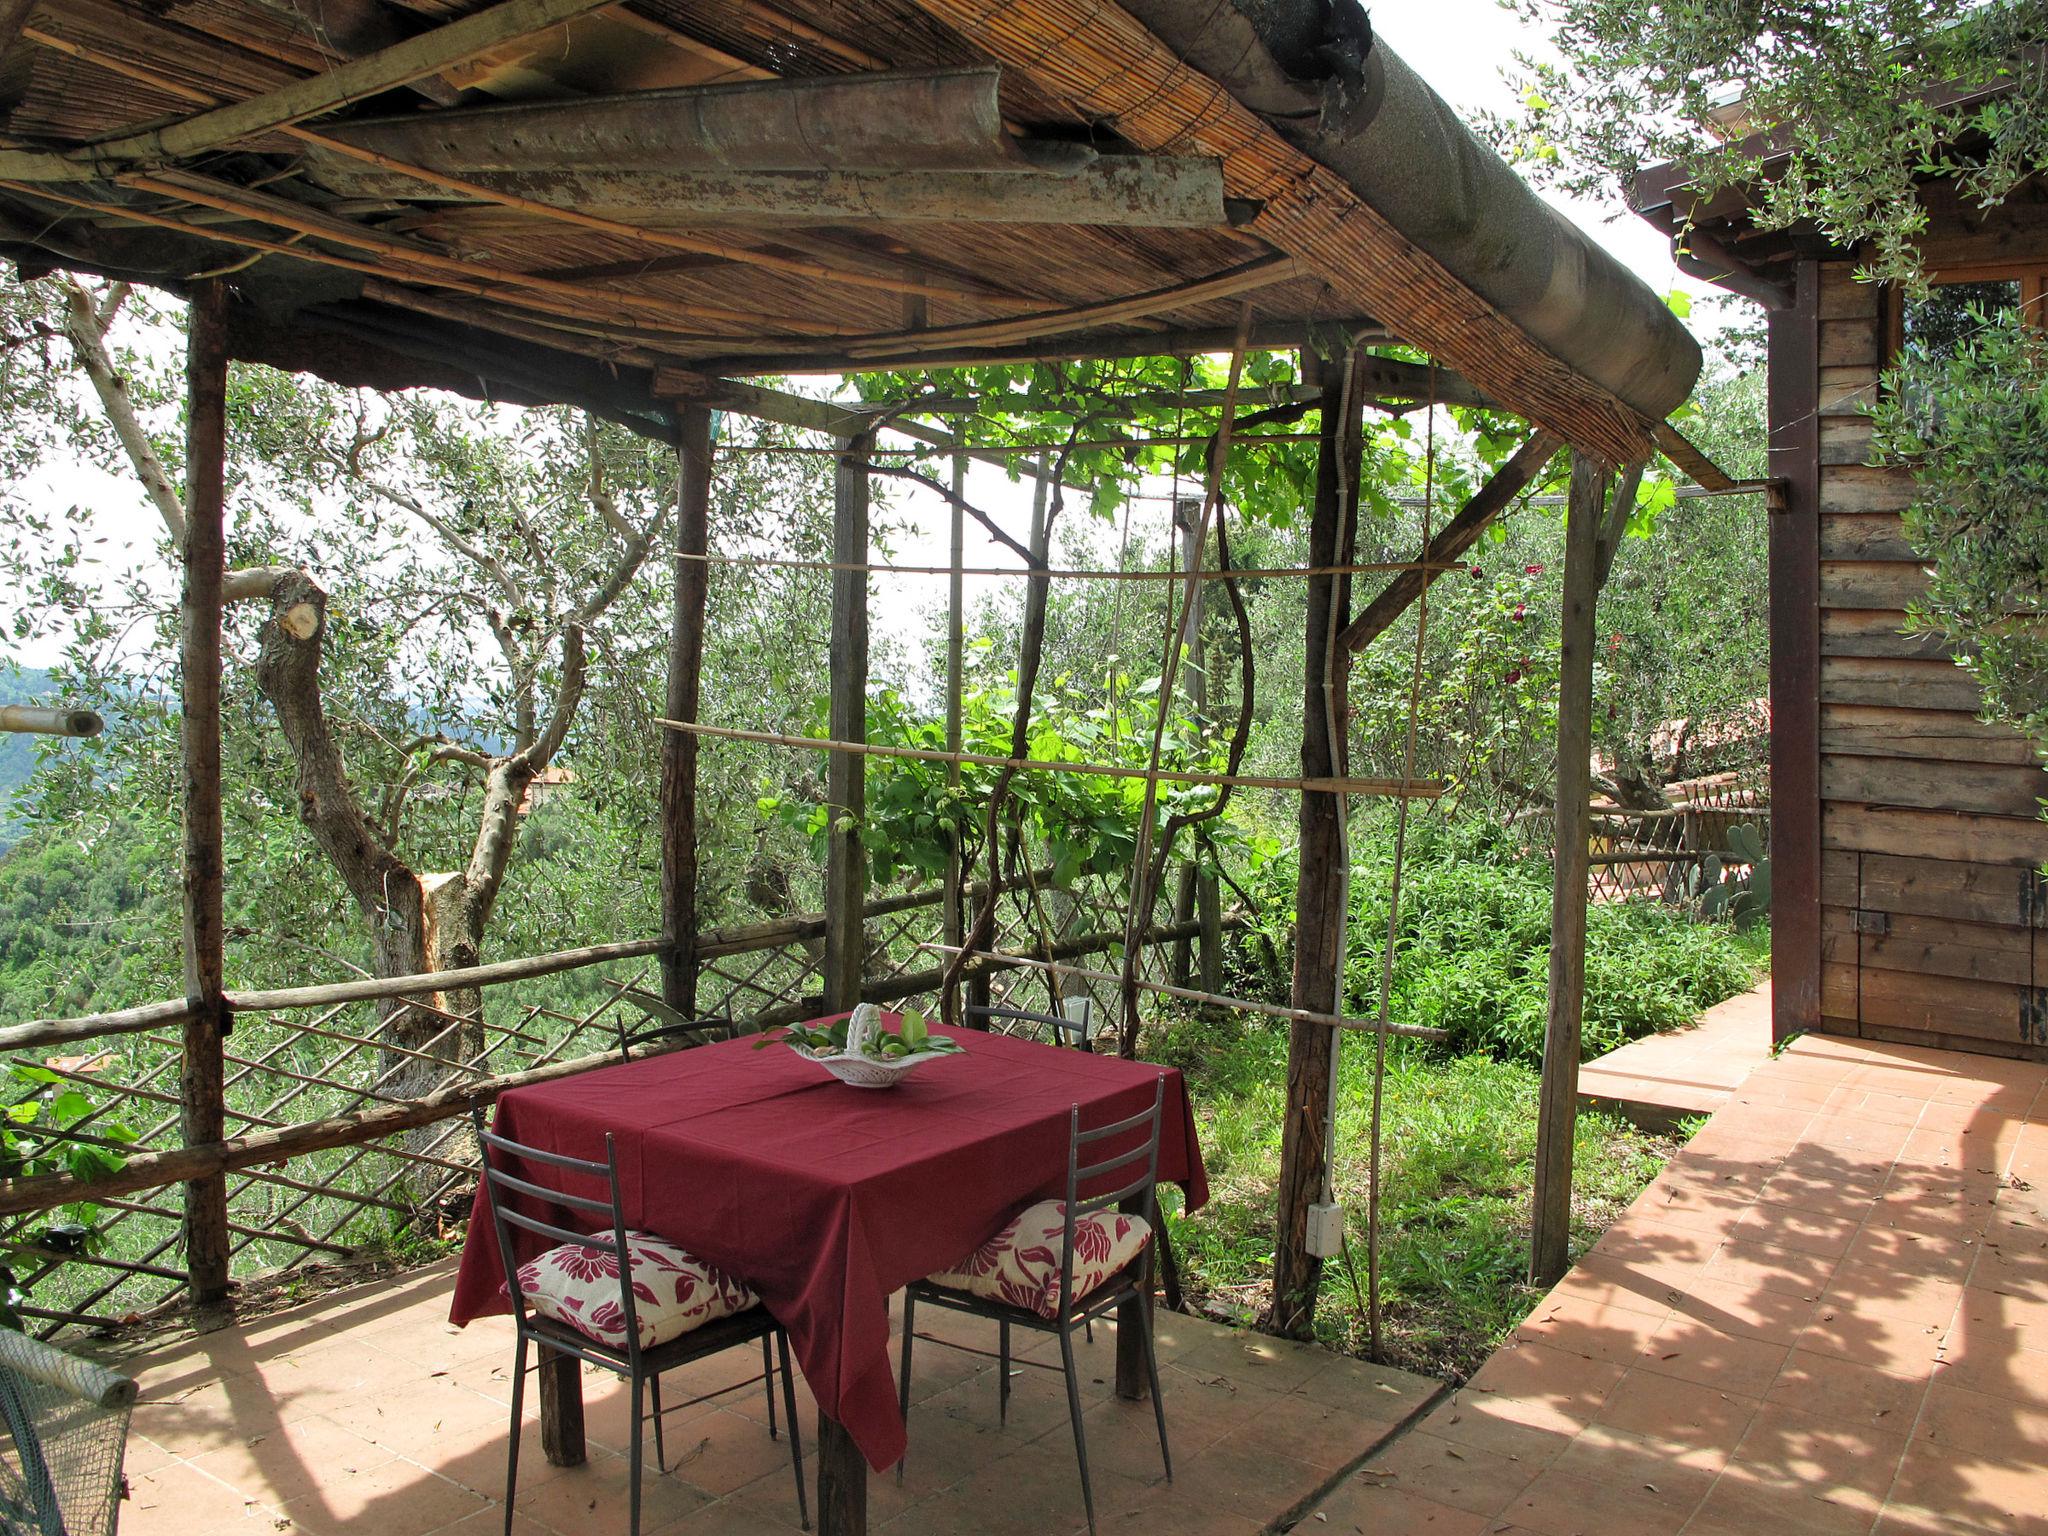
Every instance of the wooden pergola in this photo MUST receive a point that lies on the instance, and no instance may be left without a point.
(645, 209)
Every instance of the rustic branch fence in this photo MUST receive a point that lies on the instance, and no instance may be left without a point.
(324, 1163)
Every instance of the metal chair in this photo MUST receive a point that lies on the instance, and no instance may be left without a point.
(630, 1360)
(660, 1023)
(1073, 1026)
(1131, 1283)
(66, 1424)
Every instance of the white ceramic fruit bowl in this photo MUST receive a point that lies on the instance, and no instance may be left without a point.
(864, 1071)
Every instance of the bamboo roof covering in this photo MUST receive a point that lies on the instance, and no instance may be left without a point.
(624, 205)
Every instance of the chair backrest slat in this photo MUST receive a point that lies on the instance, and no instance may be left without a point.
(502, 1180)
(1144, 1189)
(1104, 1132)
(1093, 1172)
(528, 1154)
(602, 1242)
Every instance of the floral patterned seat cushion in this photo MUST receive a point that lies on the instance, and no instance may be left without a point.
(1020, 1265)
(673, 1292)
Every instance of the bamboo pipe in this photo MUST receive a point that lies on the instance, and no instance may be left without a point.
(1419, 789)
(34, 720)
(1268, 573)
(1271, 1010)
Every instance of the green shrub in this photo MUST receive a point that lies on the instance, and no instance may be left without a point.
(1473, 953)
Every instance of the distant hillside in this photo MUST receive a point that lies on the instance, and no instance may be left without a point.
(18, 685)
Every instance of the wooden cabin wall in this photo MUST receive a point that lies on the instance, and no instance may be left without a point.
(1932, 906)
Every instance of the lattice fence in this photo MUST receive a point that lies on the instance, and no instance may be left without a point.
(405, 1193)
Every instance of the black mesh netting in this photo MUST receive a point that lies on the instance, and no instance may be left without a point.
(63, 1426)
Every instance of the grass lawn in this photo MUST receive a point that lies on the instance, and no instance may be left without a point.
(1459, 1135)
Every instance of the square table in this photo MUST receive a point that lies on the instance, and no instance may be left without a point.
(826, 1198)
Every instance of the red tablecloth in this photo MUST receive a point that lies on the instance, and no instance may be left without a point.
(827, 1199)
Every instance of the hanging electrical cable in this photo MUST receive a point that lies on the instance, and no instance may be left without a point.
(1379, 1061)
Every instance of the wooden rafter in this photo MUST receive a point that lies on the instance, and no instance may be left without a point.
(1457, 536)
(373, 73)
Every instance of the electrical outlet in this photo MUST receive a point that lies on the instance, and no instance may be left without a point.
(1325, 1231)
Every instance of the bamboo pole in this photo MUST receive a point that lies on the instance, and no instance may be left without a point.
(1557, 1114)
(202, 1070)
(685, 685)
(846, 865)
(1418, 789)
(1005, 959)
(1269, 573)
(33, 720)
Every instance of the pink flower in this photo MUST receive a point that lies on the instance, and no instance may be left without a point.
(1532, 570)
(1477, 572)
(1521, 612)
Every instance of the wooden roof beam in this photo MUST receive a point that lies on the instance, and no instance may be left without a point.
(401, 64)
(1121, 191)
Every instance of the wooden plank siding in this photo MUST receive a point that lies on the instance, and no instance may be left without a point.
(1931, 904)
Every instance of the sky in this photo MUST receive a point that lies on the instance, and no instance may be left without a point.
(1460, 47)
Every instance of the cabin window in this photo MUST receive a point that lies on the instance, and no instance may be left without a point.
(1936, 323)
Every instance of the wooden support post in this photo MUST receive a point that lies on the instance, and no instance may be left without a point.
(1557, 1116)
(561, 1408)
(842, 1481)
(685, 679)
(1187, 517)
(955, 921)
(846, 863)
(1793, 413)
(1319, 886)
(202, 1091)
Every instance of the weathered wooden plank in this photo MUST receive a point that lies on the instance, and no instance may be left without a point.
(1839, 878)
(1871, 584)
(1865, 536)
(1990, 789)
(1983, 893)
(1845, 440)
(1866, 488)
(1842, 297)
(1877, 632)
(1939, 946)
(1847, 391)
(1850, 342)
(1950, 1005)
(1838, 988)
(1949, 736)
(1897, 683)
(1924, 834)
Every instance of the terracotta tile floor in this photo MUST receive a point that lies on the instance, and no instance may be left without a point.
(1828, 1314)
(1661, 1079)
(364, 1412)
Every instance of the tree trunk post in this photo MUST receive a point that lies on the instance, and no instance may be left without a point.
(1187, 516)
(1319, 887)
(846, 863)
(1557, 1116)
(955, 918)
(202, 1091)
(685, 687)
